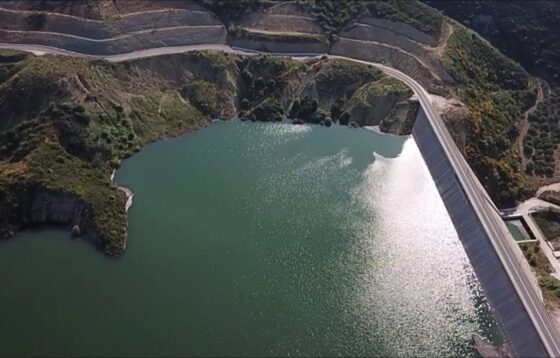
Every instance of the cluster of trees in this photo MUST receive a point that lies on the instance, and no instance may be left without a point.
(410, 12)
(540, 264)
(551, 284)
(111, 137)
(202, 94)
(531, 252)
(228, 11)
(332, 15)
(269, 110)
(263, 79)
(338, 114)
(473, 62)
(268, 81)
(543, 136)
(347, 76)
(17, 142)
(306, 110)
(549, 223)
(36, 21)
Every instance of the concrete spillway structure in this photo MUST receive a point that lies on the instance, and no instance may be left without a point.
(508, 307)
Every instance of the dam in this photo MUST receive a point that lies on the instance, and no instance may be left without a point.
(521, 333)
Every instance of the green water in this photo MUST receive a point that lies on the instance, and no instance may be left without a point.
(255, 239)
(517, 230)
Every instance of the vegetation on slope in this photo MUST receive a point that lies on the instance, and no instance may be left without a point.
(543, 136)
(333, 15)
(10, 63)
(536, 258)
(494, 88)
(414, 13)
(527, 31)
(319, 91)
(230, 11)
(286, 37)
(550, 285)
(99, 113)
(74, 143)
(549, 223)
(497, 92)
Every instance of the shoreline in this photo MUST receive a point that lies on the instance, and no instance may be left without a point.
(129, 196)
(129, 199)
(376, 129)
(129, 193)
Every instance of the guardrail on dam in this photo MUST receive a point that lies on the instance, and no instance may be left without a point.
(505, 301)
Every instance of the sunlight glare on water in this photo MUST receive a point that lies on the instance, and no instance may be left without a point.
(256, 239)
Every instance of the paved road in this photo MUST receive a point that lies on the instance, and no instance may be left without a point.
(494, 226)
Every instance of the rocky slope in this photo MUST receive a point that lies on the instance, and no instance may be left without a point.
(68, 122)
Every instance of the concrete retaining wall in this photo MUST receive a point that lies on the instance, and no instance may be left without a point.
(13, 20)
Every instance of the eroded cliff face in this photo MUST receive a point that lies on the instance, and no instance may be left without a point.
(40, 206)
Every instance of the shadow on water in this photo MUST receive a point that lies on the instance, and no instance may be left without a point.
(64, 229)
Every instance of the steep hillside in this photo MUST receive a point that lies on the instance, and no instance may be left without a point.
(527, 31)
(497, 92)
(78, 119)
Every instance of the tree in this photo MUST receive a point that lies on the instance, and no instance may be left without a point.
(344, 118)
(294, 109)
(336, 110)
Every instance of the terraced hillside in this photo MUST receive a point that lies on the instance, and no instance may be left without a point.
(190, 25)
(68, 122)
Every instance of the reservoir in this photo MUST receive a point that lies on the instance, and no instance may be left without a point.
(254, 239)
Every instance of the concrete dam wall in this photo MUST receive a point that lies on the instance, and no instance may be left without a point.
(505, 301)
